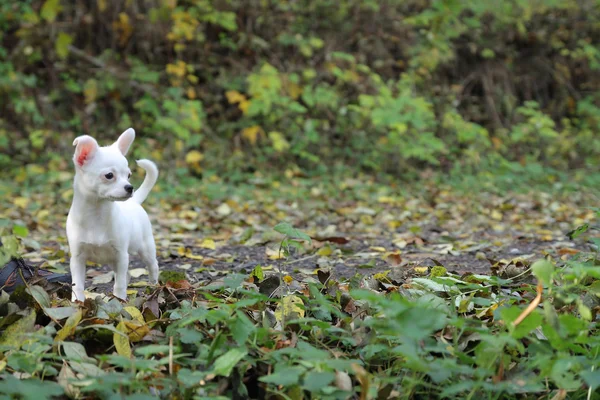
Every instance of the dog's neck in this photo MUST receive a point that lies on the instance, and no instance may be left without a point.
(90, 208)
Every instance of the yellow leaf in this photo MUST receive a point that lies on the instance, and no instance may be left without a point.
(244, 106)
(61, 46)
(135, 330)
(178, 69)
(497, 215)
(233, 96)
(325, 251)
(50, 10)
(251, 133)
(191, 93)
(69, 328)
(21, 202)
(382, 276)
(208, 244)
(385, 199)
(101, 5)
(135, 314)
(123, 27)
(289, 308)
(67, 194)
(90, 91)
(294, 90)
(280, 144)
(379, 249)
(274, 254)
(194, 157)
(43, 214)
(421, 270)
(190, 255)
(288, 279)
(122, 342)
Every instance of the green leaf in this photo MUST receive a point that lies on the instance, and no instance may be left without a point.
(50, 10)
(225, 363)
(591, 378)
(285, 376)
(29, 389)
(63, 41)
(189, 335)
(543, 270)
(578, 231)
(258, 273)
(584, 311)
(531, 322)
(40, 295)
(315, 381)
(286, 229)
(152, 349)
(241, 328)
(76, 352)
(20, 231)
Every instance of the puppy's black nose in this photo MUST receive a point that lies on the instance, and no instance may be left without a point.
(129, 189)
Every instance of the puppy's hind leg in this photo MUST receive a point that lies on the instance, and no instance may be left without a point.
(148, 256)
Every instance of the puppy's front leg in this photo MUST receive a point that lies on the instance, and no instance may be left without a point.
(77, 265)
(121, 268)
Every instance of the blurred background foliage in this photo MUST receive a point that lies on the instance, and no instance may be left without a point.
(391, 86)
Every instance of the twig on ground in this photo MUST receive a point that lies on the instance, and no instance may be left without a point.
(532, 306)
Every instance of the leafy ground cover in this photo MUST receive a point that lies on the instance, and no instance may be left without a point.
(302, 288)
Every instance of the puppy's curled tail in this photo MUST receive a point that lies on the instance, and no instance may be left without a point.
(151, 176)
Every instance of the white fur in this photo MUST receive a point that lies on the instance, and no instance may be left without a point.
(106, 222)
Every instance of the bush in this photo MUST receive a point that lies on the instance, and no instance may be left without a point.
(382, 86)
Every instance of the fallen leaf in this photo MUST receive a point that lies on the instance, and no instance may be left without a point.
(69, 327)
(137, 272)
(208, 244)
(289, 308)
(122, 342)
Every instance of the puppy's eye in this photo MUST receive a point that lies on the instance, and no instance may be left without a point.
(109, 176)
(129, 176)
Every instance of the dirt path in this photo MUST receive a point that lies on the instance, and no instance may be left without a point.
(358, 229)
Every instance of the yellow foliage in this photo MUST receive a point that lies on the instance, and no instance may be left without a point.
(251, 133)
(184, 26)
(178, 69)
(208, 244)
(193, 157)
(233, 96)
(244, 106)
(294, 90)
(280, 144)
(101, 5)
(121, 342)
(123, 27)
(90, 90)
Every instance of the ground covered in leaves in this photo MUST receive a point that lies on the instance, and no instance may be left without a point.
(338, 289)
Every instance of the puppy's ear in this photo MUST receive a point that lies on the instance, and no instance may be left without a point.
(85, 150)
(125, 140)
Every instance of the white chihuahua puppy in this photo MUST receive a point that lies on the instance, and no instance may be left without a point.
(106, 222)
